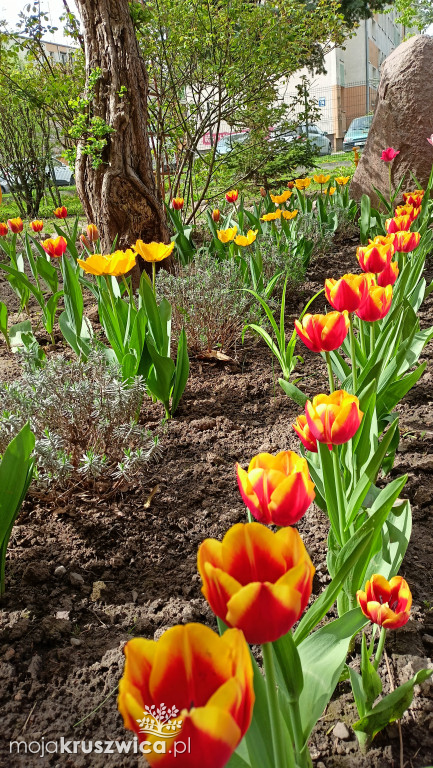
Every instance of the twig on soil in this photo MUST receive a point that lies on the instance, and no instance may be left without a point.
(25, 724)
(86, 717)
(392, 686)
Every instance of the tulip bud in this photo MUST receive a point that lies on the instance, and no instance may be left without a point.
(15, 225)
(36, 225)
(334, 418)
(232, 196)
(85, 242)
(3, 229)
(216, 215)
(92, 232)
(61, 213)
(263, 192)
(177, 203)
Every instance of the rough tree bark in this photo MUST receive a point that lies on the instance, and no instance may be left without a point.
(120, 196)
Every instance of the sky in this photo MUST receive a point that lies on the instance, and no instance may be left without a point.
(10, 9)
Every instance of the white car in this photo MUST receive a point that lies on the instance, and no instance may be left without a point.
(316, 136)
(62, 174)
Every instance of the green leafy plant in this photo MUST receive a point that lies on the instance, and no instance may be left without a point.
(16, 470)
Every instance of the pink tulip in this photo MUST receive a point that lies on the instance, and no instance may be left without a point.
(389, 154)
(430, 139)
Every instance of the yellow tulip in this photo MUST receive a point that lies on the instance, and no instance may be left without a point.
(290, 214)
(330, 191)
(153, 251)
(225, 235)
(302, 183)
(250, 237)
(320, 178)
(277, 199)
(272, 216)
(116, 264)
(342, 180)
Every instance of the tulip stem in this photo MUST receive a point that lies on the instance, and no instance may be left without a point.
(341, 503)
(372, 338)
(353, 353)
(153, 277)
(330, 373)
(274, 709)
(361, 328)
(390, 186)
(380, 647)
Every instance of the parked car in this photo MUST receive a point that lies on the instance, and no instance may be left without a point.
(227, 143)
(316, 136)
(4, 186)
(356, 135)
(62, 174)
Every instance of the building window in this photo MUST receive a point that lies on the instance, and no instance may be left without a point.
(342, 74)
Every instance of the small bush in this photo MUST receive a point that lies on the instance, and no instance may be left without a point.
(85, 421)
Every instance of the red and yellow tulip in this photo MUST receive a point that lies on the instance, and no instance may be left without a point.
(92, 232)
(408, 210)
(37, 225)
(232, 196)
(61, 213)
(55, 246)
(375, 256)
(207, 679)
(304, 433)
(15, 225)
(333, 419)
(216, 215)
(389, 275)
(276, 489)
(405, 242)
(3, 229)
(347, 293)
(414, 198)
(386, 603)
(323, 333)
(398, 224)
(257, 580)
(376, 304)
(177, 203)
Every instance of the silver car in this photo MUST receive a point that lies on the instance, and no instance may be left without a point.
(62, 174)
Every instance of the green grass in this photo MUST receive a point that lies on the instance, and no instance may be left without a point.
(69, 198)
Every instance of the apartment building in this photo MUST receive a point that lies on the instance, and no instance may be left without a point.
(348, 89)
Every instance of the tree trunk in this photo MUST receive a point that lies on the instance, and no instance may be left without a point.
(120, 196)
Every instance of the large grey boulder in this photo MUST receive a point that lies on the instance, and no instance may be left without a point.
(403, 119)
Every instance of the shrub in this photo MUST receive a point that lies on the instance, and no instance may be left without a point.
(85, 421)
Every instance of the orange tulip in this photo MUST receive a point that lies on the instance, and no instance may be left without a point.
(398, 224)
(304, 433)
(405, 242)
(346, 293)
(37, 225)
(3, 229)
(389, 275)
(408, 210)
(386, 603)
(291, 184)
(85, 241)
(329, 191)
(177, 203)
(272, 216)
(278, 199)
(320, 178)
(334, 418)
(263, 192)
(375, 256)
(232, 196)
(414, 198)
(257, 580)
(92, 232)
(216, 215)
(203, 680)
(61, 213)
(276, 489)
(55, 246)
(323, 333)
(15, 225)
(377, 303)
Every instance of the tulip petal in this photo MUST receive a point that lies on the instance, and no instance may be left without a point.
(264, 611)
